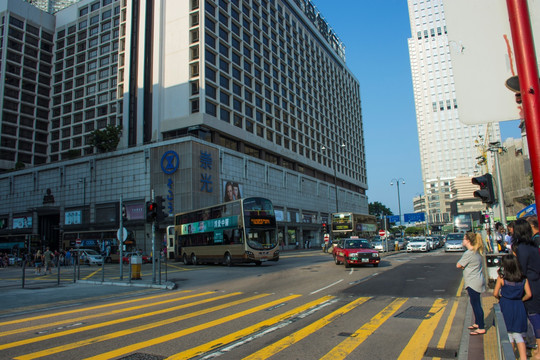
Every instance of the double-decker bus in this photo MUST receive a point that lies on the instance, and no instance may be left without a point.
(348, 224)
(240, 231)
(171, 243)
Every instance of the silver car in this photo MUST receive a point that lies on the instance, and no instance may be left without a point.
(89, 256)
(454, 245)
(418, 244)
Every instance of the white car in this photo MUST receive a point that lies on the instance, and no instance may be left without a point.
(381, 245)
(89, 256)
(418, 244)
(454, 245)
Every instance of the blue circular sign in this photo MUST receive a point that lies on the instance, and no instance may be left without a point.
(170, 162)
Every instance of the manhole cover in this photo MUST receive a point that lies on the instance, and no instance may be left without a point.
(441, 353)
(415, 312)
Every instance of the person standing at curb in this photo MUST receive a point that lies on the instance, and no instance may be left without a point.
(512, 289)
(473, 276)
(529, 260)
(48, 259)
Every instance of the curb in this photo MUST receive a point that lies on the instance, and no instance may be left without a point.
(167, 286)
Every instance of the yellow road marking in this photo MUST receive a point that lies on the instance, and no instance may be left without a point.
(447, 328)
(107, 323)
(112, 312)
(347, 346)
(419, 342)
(302, 333)
(191, 330)
(460, 288)
(191, 353)
(25, 320)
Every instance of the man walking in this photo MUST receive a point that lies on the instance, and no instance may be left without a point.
(48, 259)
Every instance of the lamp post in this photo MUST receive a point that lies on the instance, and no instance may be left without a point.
(335, 176)
(398, 199)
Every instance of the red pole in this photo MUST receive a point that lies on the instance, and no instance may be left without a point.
(520, 25)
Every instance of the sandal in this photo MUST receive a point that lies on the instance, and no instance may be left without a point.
(478, 332)
(473, 327)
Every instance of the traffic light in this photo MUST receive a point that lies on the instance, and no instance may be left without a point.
(486, 188)
(160, 209)
(124, 213)
(324, 228)
(151, 211)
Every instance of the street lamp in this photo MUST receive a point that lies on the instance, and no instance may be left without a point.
(335, 176)
(398, 199)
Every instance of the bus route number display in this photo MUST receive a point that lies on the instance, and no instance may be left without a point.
(259, 221)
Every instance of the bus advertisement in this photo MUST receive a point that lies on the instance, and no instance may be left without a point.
(240, 231)
(348, 224)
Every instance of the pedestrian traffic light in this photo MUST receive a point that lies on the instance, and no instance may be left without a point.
(124, 213)
(151, 211)
(160, 209)
(486, 188)
(324, 227)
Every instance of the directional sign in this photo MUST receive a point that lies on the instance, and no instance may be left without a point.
(414, 217)
(382, 233)
(78, 242)
(393, 219)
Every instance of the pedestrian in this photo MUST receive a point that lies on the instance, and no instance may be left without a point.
(475, 284)
(529, 261)
(68, 258)
(38, 261)
(533, 222)
(512, 289)
(48, 257)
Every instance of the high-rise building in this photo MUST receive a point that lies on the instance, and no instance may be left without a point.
(52, 6)
(447, 147)
(256, 93)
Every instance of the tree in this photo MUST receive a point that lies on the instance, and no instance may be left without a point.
(107, 139)
(376, 208)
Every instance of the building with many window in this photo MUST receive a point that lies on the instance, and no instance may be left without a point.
(447, 147)
(251, 92)
(52, 6)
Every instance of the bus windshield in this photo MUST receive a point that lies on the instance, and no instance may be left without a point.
(261, 239)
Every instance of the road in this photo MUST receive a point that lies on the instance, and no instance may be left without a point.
(302, 307)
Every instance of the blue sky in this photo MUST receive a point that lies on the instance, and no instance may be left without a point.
(375, 35)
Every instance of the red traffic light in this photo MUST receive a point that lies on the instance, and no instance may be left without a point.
(151, 211)
(486, 188)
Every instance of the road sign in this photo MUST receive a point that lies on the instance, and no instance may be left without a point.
(326, 237)
(78, 242)
(122, 233)
(414, 217)
(393, 218)
(382, 233)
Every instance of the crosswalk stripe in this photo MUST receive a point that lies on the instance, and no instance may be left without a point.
(191, 330)
(84, 309)
(419, 342)
(112, 312)
(209, 346)
(302, 333)
(112, 322)
(342, 350)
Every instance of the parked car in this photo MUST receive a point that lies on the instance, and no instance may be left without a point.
(126, 258)
(431, 243)
(418, 244)
(381, 245)
(355, 251)
(88, 256)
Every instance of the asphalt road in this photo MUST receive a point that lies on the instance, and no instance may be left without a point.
(302, 307)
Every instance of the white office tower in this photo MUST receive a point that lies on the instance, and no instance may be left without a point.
(447, 146)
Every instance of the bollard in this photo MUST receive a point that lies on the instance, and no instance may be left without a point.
(136, 262)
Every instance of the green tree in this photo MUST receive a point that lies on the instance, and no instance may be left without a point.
(376, 208)
(107, 139)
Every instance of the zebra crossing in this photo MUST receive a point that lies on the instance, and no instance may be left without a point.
(209, 324)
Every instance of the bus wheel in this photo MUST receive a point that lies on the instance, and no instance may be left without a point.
(227, 260)
(193, 259)
(185, 259)
(258, 263)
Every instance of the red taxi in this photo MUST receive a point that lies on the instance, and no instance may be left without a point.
(355, 251)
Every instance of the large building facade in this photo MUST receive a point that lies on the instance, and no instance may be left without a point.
(255, 93)
(447, 147)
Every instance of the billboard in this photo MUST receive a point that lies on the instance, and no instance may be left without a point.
(232, 191)
(482, 55)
